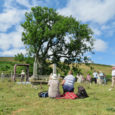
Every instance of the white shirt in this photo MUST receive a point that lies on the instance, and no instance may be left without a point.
(113, 72)
(95, 74)
(69, 80)
(23, 73)
(101, 74)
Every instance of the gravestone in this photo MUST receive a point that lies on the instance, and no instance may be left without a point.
(2, 76)
(35, 71)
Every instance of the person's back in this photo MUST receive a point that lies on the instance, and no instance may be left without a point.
(69, 80)
(95, 74)
(53, 90)
(68, 83)
(101, 77)
(88, 78)
(101, 74)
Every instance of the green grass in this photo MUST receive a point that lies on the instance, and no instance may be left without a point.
(23, 100)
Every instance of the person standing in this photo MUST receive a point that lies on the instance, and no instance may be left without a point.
(68, 82)
(94, 77)
(22, 75)
(98, 79)
(88, 78)
(79, 78)
(101, 77)
(113, 78)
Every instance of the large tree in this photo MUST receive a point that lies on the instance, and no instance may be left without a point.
(50, 36)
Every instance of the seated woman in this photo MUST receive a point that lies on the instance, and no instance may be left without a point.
(53, 83)
(68, 83)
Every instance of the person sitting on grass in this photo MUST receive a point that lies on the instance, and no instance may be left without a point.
(68, 82)
(53, 83)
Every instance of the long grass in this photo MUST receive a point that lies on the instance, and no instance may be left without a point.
(18, 99)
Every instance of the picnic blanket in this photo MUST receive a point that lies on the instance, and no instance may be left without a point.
(68, 95)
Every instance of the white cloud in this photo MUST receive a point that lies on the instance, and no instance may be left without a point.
(105, 27)
(11, 40)
(86, 10)
(100, 45)
(96, 31)
(12, 52)
(97, 11)
(10, 17)
(24, 3)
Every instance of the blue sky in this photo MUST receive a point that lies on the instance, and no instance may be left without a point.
(99, 14)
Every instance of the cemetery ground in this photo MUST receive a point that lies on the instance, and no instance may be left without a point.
(22, 99)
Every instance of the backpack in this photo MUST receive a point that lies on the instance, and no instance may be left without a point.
(43, 94)
(81, 92)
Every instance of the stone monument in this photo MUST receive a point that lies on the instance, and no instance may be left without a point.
(2, 76)
(54, 69)
(35, 71)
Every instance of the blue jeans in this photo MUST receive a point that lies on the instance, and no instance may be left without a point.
(67, 88)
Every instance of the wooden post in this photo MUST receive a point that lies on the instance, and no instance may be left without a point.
(14, 76)
(27, 77)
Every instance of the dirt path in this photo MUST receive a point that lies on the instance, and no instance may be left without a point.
(17, 111)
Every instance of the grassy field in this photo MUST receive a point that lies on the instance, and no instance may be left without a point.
(23, 100)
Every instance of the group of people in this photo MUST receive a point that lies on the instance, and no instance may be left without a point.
(98, 78)
(67, 84)
(69, 80)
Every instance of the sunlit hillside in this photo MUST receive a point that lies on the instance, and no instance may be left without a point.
(85, 69)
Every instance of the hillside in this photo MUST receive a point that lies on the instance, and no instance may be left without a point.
(7, 63)
(106, 69)
(7, 59)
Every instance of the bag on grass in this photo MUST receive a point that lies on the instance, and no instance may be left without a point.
(43, 94)
(81, 92)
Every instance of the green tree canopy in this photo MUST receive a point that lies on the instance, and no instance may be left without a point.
(50, 36)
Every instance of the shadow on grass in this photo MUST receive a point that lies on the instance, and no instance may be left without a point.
(110, 109)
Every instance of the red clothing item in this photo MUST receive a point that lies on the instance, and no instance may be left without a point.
(68, 95)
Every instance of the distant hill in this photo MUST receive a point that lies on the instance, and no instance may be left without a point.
(106, 69)
(7, 59)
(84, 69)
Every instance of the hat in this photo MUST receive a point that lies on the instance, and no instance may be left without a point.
(54, 76)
